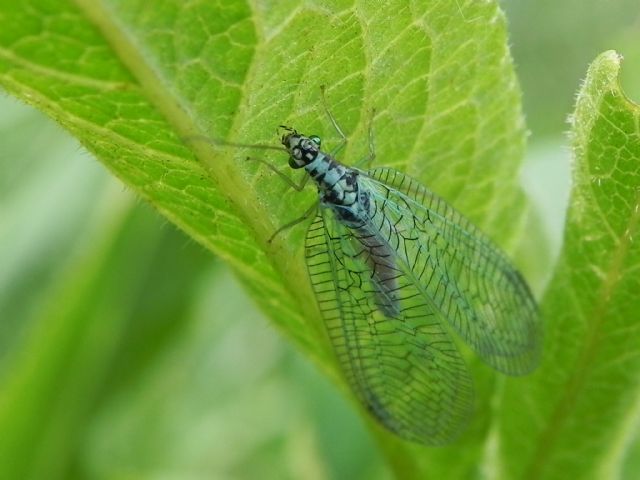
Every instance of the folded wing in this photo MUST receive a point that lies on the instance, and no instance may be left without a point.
(462, 276)
(388, 337)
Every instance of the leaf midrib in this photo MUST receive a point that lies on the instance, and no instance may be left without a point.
(226, 175)
(155, 90)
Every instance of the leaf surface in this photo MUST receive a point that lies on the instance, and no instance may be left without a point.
(576, 416)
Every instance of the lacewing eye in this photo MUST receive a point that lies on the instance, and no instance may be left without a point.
(316, 139)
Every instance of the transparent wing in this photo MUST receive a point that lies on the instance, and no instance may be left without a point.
(388, 338)
(461, 273)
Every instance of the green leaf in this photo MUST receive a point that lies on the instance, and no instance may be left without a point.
(131, 80)
(576, 416)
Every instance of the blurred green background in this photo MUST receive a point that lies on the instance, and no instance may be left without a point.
(136, 350)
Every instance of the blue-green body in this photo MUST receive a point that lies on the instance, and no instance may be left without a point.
(395, 270)
(340, 191)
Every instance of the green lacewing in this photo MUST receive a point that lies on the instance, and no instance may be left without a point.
(396, 270)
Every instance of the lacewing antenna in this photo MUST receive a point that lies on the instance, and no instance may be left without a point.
(216, 142)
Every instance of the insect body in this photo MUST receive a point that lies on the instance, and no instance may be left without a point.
(395, 269)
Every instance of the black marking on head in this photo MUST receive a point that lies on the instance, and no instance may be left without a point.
(302, 149)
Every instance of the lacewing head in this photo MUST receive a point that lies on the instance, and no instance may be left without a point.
(302, 149)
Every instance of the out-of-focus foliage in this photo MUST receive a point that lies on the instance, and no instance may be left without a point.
(126, 350)
(553, 42)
